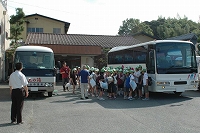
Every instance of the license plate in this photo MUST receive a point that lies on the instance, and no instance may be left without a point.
(180, 89)
(34, 88)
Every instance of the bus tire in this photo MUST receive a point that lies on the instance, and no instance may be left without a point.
(177, 93)
(50, 94)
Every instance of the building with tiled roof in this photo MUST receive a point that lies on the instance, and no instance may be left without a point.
(192, 37)
(144, 37)
(78, 49)
(80, 39)
(43, 24)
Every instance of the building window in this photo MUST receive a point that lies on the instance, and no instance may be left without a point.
(38, 30)
(56, 30)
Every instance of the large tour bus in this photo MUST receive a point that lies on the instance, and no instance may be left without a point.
(171, 64)
(38, 67)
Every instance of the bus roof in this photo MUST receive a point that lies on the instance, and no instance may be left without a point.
(34, 48)
(143, 44)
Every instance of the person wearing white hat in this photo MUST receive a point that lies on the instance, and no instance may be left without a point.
(84, 74)
(73, 78)
(145, 84)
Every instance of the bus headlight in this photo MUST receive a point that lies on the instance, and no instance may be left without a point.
(166, 83)
(48, 84)
(193, 82)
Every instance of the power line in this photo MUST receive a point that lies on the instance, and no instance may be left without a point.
(39, 7)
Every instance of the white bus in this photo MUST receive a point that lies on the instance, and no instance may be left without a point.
(38, 67)
(171, 64)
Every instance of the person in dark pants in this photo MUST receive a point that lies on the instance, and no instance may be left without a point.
(73, 79)
(17, 83)
(65, 71)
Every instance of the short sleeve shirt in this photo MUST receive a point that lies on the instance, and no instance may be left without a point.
(17, 80)
(84, 76)
(145, 77)
(137, 74)
(66, 70)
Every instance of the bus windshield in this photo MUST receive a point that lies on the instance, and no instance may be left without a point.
(35, 60)
(175, 58)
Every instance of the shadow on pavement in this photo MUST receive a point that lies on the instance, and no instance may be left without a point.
(156, 99)
(7, 124)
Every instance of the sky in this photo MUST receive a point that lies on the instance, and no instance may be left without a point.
(104, 17)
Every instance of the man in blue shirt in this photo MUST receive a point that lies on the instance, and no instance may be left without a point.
(84, 74)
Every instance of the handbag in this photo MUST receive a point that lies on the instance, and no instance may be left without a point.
(92, 82)
(103, 85)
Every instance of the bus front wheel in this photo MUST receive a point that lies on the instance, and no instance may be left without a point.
(50, 94)
(177, 93)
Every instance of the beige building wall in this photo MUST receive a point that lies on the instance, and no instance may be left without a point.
(41, 22)
(5, 42)
(87, 60)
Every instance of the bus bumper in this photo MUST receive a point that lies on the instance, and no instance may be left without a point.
(41, 89)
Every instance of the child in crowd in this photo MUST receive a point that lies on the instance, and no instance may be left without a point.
(136, 76)
(73, 79)
(120, 81)
(139, 85)
(99, 79)
(132, 84)
(127, 84)
(111, 85)
(145, 84)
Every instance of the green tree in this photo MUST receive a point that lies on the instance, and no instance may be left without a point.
(101, 60)
(16, 26)
(162, 27)
(132, 26)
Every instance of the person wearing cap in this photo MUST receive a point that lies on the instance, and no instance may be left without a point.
(78, 77)
(136, 75)
(139, 85)
(84, 74)
(120, 81)
(132, 84)
(92, 81)
(126, 84)
(140, 68)
(73, 78)
(111, 85)
(99, 79)
(145, 84)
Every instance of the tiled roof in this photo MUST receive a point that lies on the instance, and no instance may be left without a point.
(185, 37)
(80, 39)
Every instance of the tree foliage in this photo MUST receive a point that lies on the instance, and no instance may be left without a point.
(16, 29)
(132, 26)
(16, 26)
(101, 60)
(162, 27)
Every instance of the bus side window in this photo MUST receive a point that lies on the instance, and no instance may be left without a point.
(151, 63)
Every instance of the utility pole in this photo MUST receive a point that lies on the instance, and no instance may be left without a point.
(3, 46)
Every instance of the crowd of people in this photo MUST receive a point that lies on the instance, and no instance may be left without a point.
(92, 81)
(127, 82)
